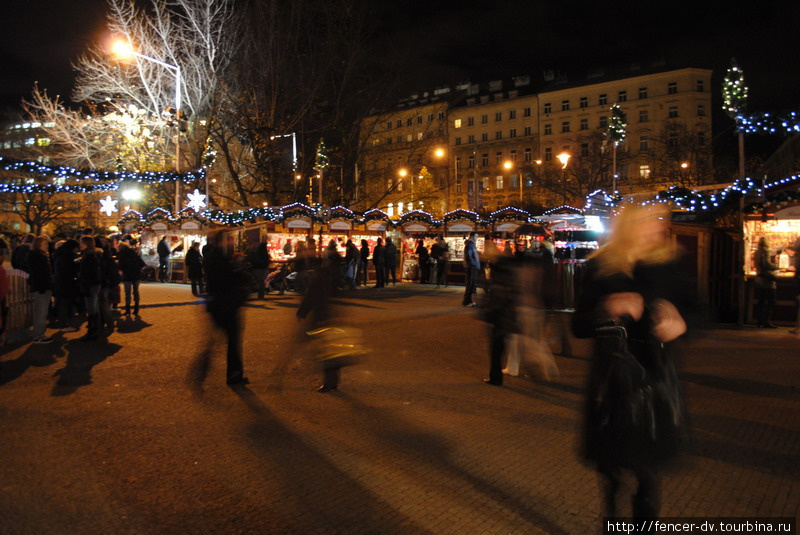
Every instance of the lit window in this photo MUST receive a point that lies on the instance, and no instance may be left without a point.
(499, 181)
(390, 210)
(457, 123)
(644, 171)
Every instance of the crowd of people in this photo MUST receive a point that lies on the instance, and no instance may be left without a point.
(71, 278)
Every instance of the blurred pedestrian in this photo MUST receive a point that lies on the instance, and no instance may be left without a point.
(636, 302)
(131, 266)
(287, 248)
(90, 278)
(499, 311)
(226, 285)
(40, 280)
(259, 260)
(364, 263)
(334, 260)
(766, 284)
(194, 268)
(66, 289)
(423, 261)
(472, 266)
(390, 259)
(164, 251)
(335, 346)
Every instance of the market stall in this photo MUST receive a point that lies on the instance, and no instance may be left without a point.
(179, 235)
(415, 226)
(781, 229)
(575, 236)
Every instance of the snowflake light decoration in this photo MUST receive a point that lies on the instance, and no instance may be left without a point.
(197, 201)
(108, 205)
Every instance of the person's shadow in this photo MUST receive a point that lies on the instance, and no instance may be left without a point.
(83, 356)
(131, 324)
(36, 355)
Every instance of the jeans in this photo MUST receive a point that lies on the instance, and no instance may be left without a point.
(472, 284)
(131, 285)
(41, 305)
(163, 269)
(92, 299)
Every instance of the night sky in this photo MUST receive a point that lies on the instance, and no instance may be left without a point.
(446, 42)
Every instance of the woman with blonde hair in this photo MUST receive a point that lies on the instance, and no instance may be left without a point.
(634, 303)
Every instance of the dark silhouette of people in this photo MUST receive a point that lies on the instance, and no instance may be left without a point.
(65, 283)
(194, 268)
(90, 278)
(390, 260)
(226, 285)
(164, 252)
(131, 266)
(472, 265)
(423, 261)
(379, 261)
(364, 263)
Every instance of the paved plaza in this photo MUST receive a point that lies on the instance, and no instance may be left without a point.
(107, 438)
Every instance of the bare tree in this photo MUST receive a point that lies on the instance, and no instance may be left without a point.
(681, 156)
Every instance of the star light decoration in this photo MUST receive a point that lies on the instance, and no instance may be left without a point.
(197, 201)
(108, 205)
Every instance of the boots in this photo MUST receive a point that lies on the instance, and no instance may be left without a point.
(136, 308)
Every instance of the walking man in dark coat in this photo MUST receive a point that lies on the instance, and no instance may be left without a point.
(472, 265)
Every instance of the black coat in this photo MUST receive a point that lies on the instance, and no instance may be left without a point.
(19, 258)
(194, 264)
(623, 368)
(377, 256)
(130, 264)
(90, 270)
(65, 273)
(226, 284)
(163, 249)
(40, 273)
(390, 255)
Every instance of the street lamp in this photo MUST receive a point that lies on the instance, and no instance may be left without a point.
(564, 159)
(123, 50)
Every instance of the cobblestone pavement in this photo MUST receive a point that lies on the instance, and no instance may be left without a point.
(106, 438)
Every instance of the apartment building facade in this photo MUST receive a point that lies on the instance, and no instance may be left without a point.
(499, 145)
(403, 165)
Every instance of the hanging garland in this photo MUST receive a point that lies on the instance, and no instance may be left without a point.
(765, 123)
(108, 179)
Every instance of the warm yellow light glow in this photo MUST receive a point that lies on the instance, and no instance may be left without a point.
(297, 177)
(265, 203)
(132, 194)
(508, 165)
(564, 159)
(122, 49)
(684, 165)
(439, 153)
(402, 173)
(538, 162)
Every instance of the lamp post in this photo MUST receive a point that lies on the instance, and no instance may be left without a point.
(439, 153)
(402, 173)
(123, 50)
(508, 165)
(564, 159)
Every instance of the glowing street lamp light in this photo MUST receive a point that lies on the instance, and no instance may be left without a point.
(564, 159)
(684, 165)
(132, 194)
(122, 50)
(402, 173)
(439, 153)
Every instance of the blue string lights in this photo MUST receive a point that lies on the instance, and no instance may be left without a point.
(766, 123)
(92, 180)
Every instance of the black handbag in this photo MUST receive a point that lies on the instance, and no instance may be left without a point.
(639, 415)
